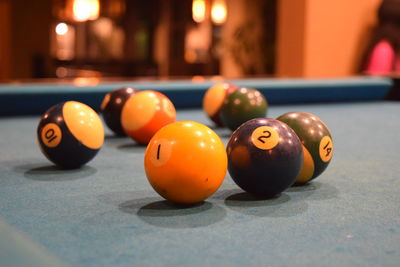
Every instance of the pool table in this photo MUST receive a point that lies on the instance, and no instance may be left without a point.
(107, 214)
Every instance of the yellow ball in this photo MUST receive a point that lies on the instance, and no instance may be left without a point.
(185, 162)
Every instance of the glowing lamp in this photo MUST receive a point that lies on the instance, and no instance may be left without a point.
(84, 10)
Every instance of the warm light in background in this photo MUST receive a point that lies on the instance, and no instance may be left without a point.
(86, 9)
(198, 79)
(218, 11)
(86, 81)
(61, 72)
(217, 78)
(199, 10)
(61, 28)
(63, 44)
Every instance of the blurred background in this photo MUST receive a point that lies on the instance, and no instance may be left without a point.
(181, 38)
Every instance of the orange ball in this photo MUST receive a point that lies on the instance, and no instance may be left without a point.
(145, 113)
(214, 98)
(185, 162)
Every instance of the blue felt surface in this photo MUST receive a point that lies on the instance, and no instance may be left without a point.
(106, 214)
(36, 98)
(18, 250)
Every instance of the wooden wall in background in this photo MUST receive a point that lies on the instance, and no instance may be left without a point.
(323, 38)
(30, 30)
(5, 52)
(314, 38)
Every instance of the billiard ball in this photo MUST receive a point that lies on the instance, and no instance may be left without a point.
(70, 134)
(111, 108)
(145, 113)
(242, 105)
(264, 157)
(214, 98)
(185, 162)
(316, 140)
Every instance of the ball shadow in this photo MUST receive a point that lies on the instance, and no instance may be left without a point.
(131, 147)
(244, 199)
(116, 198)
(222, 131)
(165, 214)
(115, 137)
(115, 140)
(225, 135)
(313, 191)
(210, 125)
(53, 173)
(278, 206)
(310, 186)
(222, 194)
(302, 191)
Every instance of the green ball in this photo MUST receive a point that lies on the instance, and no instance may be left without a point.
(317, 143)
(242, 105)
